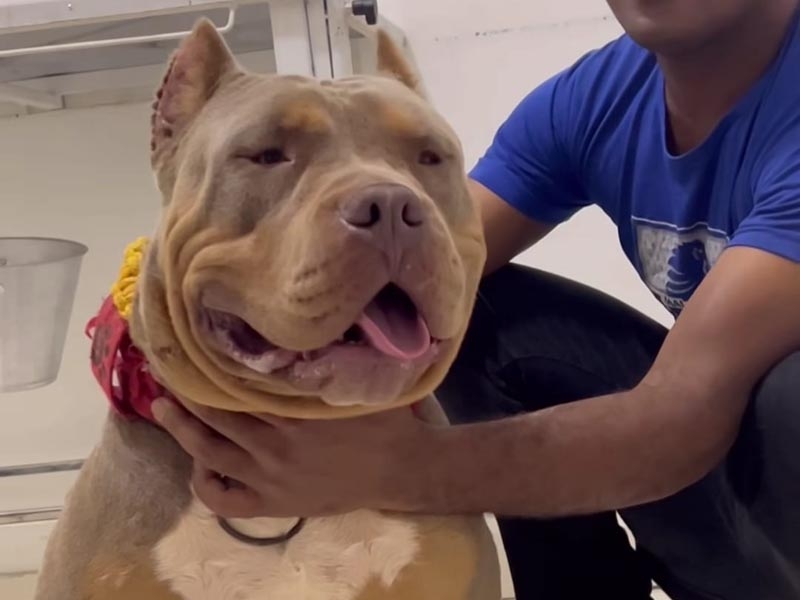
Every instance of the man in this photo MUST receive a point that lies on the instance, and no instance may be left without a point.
(686, 132)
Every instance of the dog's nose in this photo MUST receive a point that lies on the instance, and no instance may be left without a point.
(387, 212)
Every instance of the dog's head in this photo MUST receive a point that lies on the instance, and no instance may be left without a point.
(318, 253)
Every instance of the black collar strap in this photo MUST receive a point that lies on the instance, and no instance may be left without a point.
(259, 541)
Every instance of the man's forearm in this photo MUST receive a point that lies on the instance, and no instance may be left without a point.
(589, 456)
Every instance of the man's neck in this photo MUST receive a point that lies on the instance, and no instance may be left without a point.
(702, 86)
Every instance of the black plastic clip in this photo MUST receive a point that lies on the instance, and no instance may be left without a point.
(367, 9)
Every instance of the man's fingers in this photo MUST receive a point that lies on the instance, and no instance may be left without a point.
(228, 500)
(200, 442)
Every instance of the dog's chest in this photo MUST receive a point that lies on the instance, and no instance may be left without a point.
(332, 558)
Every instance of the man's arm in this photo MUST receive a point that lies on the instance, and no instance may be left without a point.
(638, 446)
(508, 232)
(588, 456)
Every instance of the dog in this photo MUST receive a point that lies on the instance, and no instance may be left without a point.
(317, 256)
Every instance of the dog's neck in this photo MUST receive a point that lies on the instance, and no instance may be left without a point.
(122, 371)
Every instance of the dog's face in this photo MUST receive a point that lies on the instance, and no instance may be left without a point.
(318, 253)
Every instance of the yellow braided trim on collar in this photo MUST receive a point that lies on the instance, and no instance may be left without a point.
(124, 289)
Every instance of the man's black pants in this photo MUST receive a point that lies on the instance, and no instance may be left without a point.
(537, 340)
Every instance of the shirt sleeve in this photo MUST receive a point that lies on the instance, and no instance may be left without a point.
(528, 164)
(773, 224)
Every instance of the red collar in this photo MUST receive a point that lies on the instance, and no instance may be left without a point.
(120, 367)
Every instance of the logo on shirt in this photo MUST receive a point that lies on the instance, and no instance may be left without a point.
(674, 260)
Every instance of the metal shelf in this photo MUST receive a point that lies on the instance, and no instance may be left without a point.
(81, 53)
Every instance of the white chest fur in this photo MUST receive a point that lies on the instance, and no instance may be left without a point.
(332, 558)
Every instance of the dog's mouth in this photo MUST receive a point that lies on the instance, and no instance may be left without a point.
(390, 327)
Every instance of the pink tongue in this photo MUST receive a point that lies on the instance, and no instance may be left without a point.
(395, 330)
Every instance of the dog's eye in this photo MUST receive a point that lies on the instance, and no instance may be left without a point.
(429, 157)
(270, 156)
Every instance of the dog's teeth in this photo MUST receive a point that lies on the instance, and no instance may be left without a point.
(307, 355)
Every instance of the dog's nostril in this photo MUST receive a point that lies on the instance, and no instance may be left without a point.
(374, 215)
(368, 216)
(411, 215)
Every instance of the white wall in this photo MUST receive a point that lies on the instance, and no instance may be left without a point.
(84, 175)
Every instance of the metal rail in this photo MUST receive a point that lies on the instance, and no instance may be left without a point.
(123, 41)
(40, 468)
(35, 515)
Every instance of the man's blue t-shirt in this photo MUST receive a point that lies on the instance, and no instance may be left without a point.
(596, 134)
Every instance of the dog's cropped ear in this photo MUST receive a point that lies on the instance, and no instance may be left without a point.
(392, 63)
(196, 70)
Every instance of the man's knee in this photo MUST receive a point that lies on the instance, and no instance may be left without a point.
(775, 428)
(770, 433)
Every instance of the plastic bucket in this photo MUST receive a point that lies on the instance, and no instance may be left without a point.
(38, 277)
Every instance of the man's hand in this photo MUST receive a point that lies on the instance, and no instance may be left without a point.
(285, 468)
